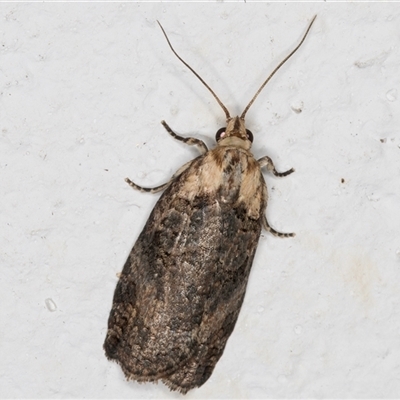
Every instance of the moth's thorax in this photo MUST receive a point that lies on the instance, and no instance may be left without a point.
(229, 174)
(234, 141)
(235, 134)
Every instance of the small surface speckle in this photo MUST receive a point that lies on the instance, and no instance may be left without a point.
(391, 95)
(298, 329)
(51, 306)
(297, 107)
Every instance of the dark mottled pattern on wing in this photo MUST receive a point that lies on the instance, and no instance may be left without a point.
(182, 286)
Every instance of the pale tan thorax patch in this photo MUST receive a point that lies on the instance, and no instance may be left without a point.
(236, 142)
(208, 175)
(253, 188)
(202, 178)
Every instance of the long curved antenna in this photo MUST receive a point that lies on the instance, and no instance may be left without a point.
(276, 69)
(198, 76)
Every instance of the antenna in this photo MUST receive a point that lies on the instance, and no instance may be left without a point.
(198, 76)
(276, 69)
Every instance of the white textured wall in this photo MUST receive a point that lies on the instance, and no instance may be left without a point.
(82, 90)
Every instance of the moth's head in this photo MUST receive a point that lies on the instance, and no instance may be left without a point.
(235, 133)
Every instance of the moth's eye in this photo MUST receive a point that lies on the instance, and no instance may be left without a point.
(249, 135)
(220, 134)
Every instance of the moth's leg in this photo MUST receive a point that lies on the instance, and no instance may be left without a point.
(161, 187)
(267, 162)
(268, 228)
(143, 189)
(189, 141)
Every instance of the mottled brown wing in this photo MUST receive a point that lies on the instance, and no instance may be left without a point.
(181, 289)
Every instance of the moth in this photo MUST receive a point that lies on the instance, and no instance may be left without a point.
(181, 289)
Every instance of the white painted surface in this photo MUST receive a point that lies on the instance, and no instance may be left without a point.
(83, 88)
